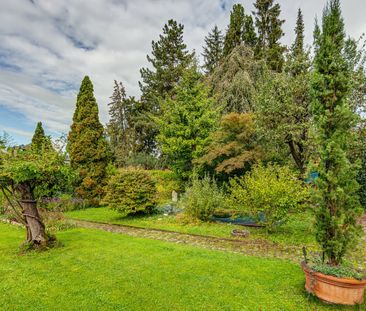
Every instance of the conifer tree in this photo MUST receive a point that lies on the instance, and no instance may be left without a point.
(298, 46)
(119, 128)
(213, 50)
(169, 59)
(40, 142)
(269, 27)
(186, 122)
(337, 205)
(249, 35)
(87, 146)
(234, 34)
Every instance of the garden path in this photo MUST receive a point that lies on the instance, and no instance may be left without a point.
(246, 246)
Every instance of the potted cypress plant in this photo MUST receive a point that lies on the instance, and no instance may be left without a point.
(337, 206)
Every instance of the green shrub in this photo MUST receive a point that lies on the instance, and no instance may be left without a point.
(267, 194)
(166, 182)
(131, 191)
(202, 198)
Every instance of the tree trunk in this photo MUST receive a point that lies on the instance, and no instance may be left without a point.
(36, 232)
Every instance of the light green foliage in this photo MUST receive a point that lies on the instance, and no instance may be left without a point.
(131, 191)
(268, 194)
(166, 182)
(185, 123)
(269, 27)
(335, 195)
(338, 271)
(87, 145)
(233, 81)
(202, 198)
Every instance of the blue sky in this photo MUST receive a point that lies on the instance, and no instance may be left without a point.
(48, 46)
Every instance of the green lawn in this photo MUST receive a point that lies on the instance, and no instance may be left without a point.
(298, 231)
(97, 270)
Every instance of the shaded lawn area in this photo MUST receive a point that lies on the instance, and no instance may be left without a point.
(97, 270)
(298, 231)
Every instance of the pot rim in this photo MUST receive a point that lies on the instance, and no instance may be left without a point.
(331, 278)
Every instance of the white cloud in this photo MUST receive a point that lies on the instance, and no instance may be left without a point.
(56, 43)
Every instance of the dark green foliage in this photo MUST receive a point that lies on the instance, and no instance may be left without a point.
(213, 50)
(87, 146)
(298, 46)
(269, 27)
(131, 191)
(185, 123)
(337, 205)
(202, 198)
(40, 142)
(234, 33)
(249, 35)
(168, 61)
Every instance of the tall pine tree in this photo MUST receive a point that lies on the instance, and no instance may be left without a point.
(169, 59)
(234, 33)
(213, 50)
(337, 205)
(87, 146)
(269, 27)
(298, 46)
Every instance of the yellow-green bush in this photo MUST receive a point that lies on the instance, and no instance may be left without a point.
(268, 194)
(131, 191)
(166, 182)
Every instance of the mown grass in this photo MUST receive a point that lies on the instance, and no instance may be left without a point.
(98, 270)
(298, 231)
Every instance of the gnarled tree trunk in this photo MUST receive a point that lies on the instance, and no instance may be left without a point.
(36, 232)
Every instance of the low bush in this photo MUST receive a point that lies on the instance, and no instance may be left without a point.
(267, 194)
(202, 198)
(63, 203)
(131, 191)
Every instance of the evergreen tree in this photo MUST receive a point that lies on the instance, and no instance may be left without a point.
(298, 46)
(335, 196)
(249, 35)
(186, 122)
(87, 146)
(169, 59)
(119, 128)
(269, 27)
(234, 34)
(40, 142)
(213, 50)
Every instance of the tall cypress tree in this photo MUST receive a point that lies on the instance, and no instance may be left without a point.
(269, 26)
(40, 142)
(213, 50)
(335, 195)
(87, 146)
(249, 35)
(234, 34)
(298, 46)
(169, 59)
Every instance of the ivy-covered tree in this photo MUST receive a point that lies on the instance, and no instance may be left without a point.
(335, 196)
(213, 50)
(233, 82)
(249, 35)
(234, 33)
(168, 61)
(185, 123)
(87, 145)
(40, 141)
(269, 27)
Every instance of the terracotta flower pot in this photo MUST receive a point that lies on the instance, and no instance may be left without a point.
(332, 289)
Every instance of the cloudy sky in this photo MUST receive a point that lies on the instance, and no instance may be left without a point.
(47, 46)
